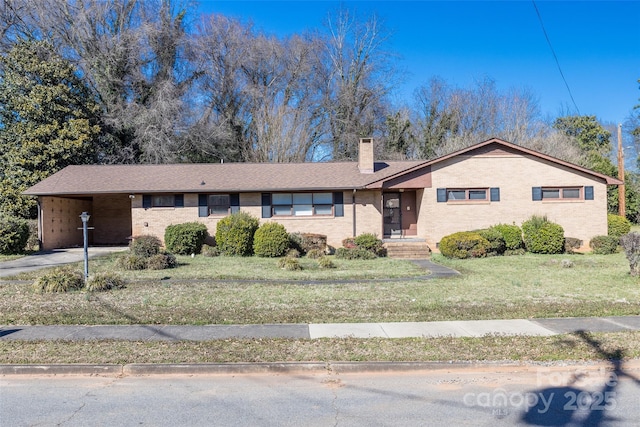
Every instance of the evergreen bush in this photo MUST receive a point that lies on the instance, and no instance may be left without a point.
(234, 234)
(464, 244)
(210, 251)
(145, 246)
(271, 240)
(186, 238)
(511, 234)
(604, 245)
(325, 262)
(617, 225)
(161, 261)
(371, 243)
(542, 236)
(631, 244)
(354, 253)
(130, 261)
(288, 263)
(497, 244)
(315, 254)
(14, 234)
(571, 244)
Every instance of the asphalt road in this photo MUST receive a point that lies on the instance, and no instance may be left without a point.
(590, 395)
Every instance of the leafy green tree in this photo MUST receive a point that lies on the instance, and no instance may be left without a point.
(47, 121)
(593, 139)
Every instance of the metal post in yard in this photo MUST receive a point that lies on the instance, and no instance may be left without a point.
(85, 220)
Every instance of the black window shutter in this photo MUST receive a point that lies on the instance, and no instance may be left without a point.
(494, 194)
(266, 205)
(146, 201)
(588, 192)
(203, 207)
(442, 195)
(234, 202)
(536, 193)
(338, 203)
(178, 200)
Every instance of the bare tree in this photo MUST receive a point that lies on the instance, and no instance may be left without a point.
(359, 78)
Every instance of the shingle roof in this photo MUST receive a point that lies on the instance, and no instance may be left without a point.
(225, 177)
(250, 177)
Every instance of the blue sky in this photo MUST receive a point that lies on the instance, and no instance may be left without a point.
(597, 44)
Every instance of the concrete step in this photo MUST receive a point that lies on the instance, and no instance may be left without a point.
(407, 250)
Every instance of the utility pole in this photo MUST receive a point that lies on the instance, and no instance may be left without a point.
(621, 196)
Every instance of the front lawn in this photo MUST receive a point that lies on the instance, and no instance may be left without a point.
(525, 286)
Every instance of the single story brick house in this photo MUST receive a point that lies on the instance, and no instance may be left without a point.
(488, 183)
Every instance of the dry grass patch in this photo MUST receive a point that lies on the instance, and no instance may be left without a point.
(516, 348)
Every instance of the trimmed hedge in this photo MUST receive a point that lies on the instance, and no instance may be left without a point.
(512, 235)
(14, 234)
(542, 236)
(497, 245)
(371, 243)
(271, 240)
(234, 234)
(604, 245)
(186, 238)
(617, 225)
(464, 244)
(354, 253)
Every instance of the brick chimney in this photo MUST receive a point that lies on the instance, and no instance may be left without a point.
(365, 155)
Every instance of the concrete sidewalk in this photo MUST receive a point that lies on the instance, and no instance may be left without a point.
(469, 328)
(54, 258)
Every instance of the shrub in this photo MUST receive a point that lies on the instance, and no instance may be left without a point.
(371, 243)
(464, 244)
(104, 282)
(33, 242)
(497, 245)
(293, 253)
(161, 262)
(289, 263)
(61, 279)
(631, 245)
(542, 236)
(186, 238)
(132, 262)
(210, 251)
(271, 240)
(145, 246)
(511, 234)
(604, 245)
(349, 243)
(354, 253)
(234, 234)
(571, 244)
(313, 241)
(617, 225)
(14, 234)
(325, 262)
(296, 242)
(315, 254)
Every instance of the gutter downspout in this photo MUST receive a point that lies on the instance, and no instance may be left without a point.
(39, 224)
(353, 206)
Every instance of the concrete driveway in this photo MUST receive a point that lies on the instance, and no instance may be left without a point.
(52, 258)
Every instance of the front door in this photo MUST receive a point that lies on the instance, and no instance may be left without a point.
(392, 215)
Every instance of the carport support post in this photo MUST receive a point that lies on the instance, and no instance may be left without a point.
(85, 219)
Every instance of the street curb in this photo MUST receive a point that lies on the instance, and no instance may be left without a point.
(336, 368)
(61, 369)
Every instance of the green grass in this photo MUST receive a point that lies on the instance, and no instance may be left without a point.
(516, 348)
(526, 286)
(256, 268)
(4, 258)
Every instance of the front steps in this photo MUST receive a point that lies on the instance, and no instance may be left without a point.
(407, 248)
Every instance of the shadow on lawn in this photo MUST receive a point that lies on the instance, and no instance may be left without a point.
(567, 404)
(134, 320)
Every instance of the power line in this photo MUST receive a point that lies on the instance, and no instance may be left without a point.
(555, 57)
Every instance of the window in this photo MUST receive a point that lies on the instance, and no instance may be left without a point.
(466, 194)
(219, 204)
(562, 193)
(302, 204)
(163, 201)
